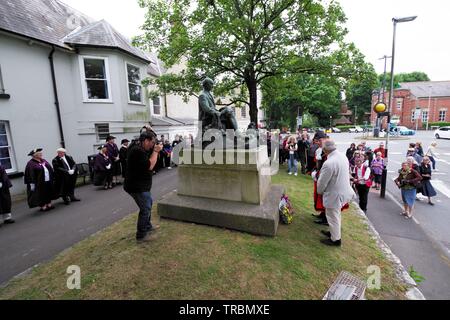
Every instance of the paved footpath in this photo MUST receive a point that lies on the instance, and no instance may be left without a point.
(37, 237)
(408, 240)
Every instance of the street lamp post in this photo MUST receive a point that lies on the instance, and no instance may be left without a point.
(429, 106)
(391, 92)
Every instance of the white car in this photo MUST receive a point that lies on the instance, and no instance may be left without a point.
(442, 133)
(356, 130)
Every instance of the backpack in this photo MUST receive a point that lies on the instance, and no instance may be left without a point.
(285, 210)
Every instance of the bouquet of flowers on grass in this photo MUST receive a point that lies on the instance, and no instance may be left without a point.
(285, 210)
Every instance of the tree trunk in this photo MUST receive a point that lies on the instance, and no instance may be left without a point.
(253, 91)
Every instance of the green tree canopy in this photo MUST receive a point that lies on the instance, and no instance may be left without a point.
(241, 43)
(402, 77)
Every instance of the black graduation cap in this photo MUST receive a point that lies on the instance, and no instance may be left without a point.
(110, 138)
(101, 147)
(124, 141)
(32, 152)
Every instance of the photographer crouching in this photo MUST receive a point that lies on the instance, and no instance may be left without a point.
(141, 159)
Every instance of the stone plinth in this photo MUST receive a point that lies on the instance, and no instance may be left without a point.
(245, 181)
(235, 194)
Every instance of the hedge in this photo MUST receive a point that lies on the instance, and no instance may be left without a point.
(436, 124)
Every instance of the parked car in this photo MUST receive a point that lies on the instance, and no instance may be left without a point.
(404, 131)
(336, 130)
(356, 129)
(442, 133)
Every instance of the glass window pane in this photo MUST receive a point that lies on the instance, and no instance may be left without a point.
(6, 163)
(3, 140)
(94, 68)
(133, 74)
(156, 101)
(2, 128)
(135, 92)
(4, 152)
(97, 89)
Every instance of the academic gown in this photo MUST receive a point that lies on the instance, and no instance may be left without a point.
(101, 173)
(43, 192)
(5, 195)
(64, 182)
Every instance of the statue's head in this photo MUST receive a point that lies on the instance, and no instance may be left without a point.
(208, 84)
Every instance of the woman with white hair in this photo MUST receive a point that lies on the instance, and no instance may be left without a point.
(408, 180)
(431, 153)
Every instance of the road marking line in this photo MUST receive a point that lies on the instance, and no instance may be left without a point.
(415, 220)
(442, 188)
(445, 154)
(442, 160)
(439, 174)
(395, 153)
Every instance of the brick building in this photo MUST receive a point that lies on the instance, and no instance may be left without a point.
(432, 97)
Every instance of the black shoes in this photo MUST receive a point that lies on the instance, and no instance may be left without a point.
(331, 243)
(326, 233)
(66, 201)
(74, 199)
(9, 221)
(321, 222)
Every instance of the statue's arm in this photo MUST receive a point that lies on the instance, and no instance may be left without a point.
(204, 105)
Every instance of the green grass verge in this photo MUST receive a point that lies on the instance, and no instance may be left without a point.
(189, 261)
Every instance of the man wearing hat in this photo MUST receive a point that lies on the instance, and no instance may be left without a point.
(113, 154)
(103, 174)
(66, 174)
(141, 160)
(123, 155)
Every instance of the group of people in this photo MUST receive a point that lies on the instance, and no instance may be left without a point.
(415, 176)
(47, 181)
(366, 167)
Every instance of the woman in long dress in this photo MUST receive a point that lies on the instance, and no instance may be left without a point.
(427, 188)
(39, 178)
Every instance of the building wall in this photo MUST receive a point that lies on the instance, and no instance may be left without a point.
(31, 113)
(408, 104)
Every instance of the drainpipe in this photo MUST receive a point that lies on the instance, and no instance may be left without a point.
(55, 92)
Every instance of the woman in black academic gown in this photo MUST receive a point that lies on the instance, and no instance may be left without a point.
(103, 172)
(5, 196)
(39, 180)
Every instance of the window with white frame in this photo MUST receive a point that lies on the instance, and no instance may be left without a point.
(442, 115)
(156, 105)
(399, 103)
(134, 83)
(6, 153)
(95, 79)
(413, 115)
(102, 131)
(424, 115)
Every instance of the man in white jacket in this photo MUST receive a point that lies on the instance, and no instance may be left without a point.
(334, 186)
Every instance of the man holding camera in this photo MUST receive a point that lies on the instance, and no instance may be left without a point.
(141, 159)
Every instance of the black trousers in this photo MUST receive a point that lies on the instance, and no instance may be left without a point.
(363, 193)
(5, 200)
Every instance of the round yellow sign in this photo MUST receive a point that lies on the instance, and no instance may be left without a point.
(380, 107)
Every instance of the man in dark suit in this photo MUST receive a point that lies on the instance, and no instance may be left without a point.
(66, 174)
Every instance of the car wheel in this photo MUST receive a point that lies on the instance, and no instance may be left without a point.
(437, 136)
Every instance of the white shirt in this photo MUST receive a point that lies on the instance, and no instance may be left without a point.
(65, 160)
(359, 175)
(319, 154)
(46, 173)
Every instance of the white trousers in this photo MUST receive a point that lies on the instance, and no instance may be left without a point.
(334, 220)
